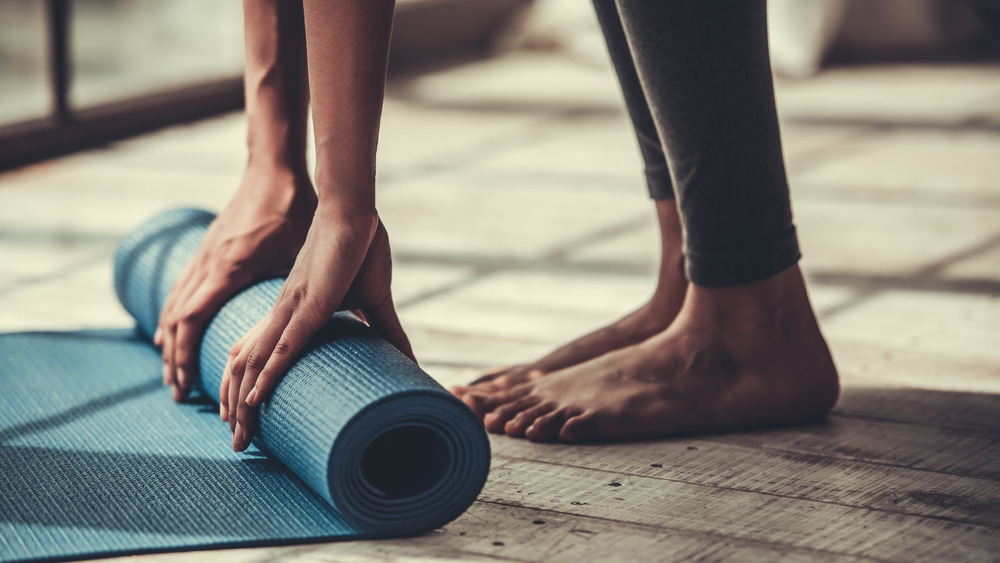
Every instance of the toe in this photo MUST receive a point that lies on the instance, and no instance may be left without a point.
(482, 403)
(580, 428)
(546, 428)
(496, 420)
(517, 425)
(491, 375)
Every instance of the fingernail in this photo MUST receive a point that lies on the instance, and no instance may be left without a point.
(182, 379)
(166, 374)
(222, 412)
(157, 335)
(237, 437)
(252, 397)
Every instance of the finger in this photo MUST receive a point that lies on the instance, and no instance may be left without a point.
(206, 301)
(177, 291)
(385, 321)
(256, 361)
(236, 373)
(246, 419)
(285, 351)
(168, 357)
(185, 355)
(234, 353)
(224, 393)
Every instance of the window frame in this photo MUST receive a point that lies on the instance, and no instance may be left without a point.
(67, 130)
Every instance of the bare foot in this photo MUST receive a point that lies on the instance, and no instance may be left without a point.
(734, 358)
(650, 319)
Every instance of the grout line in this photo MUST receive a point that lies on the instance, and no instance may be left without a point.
(557, 255)
(61, 272)
(866, 293)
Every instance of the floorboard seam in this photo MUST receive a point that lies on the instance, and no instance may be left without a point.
(710, 534)
(764, 493)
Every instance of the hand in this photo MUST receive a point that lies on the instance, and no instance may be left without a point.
(345, 263)
(259, 233)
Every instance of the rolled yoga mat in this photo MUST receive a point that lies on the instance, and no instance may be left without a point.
(96, 459)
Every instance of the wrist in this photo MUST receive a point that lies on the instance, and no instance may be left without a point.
(347, 215)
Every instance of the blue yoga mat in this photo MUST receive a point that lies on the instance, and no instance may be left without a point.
(96, 459)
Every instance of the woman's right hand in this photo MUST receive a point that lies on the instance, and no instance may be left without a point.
(345, 264)
(258, 234)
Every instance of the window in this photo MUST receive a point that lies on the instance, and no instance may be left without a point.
(76, 73)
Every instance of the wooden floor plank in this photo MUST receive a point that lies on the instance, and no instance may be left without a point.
(943, 450)
(812, 477)
(947, 409)
(735, 514)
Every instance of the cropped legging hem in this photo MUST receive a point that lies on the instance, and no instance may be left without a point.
(744, 266)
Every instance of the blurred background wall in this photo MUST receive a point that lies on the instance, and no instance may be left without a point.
(76, 73)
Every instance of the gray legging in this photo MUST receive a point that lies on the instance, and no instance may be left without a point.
(697, 82)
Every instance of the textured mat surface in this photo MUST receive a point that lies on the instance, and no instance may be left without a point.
(95, 458)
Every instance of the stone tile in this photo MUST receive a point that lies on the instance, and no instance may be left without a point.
(23, 260)
(963, 326)
(947, 167)
(82, 299)
(869, 239)
(804, 144)
(637, 250)
(518, 83)
(416, 140)
(411, 281)
(212, 146)
(109, 201)
(577, 147)
(466, 355)
(919, 94)
(449, 220)
(533, 307)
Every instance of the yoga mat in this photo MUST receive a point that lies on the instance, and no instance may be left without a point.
(96, 459)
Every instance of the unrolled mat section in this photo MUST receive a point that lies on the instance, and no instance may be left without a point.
(95, 459)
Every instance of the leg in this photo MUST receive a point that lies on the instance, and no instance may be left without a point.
(657, 314)
(745, 349)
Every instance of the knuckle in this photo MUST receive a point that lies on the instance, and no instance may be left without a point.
(190, 317)
(283, 347)
(253, 360)
(298, 296)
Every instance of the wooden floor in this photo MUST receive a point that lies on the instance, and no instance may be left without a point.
(513, 192)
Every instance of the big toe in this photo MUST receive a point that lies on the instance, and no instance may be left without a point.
(580, 428)
(482, 402)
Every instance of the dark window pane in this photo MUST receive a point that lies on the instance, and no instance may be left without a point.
(24, 82)
(125, 48)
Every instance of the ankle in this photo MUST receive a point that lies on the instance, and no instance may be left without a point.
(756, 304)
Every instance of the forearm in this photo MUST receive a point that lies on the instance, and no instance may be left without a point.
(276, 84)
(347, 43)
